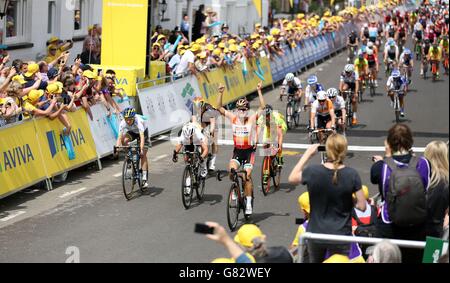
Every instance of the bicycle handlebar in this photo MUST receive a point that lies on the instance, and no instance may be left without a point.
(322, 130)
(219, 174)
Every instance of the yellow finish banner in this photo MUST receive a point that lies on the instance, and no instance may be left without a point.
(238, 80)
(21, 162)
(53, 146)
(124, 33)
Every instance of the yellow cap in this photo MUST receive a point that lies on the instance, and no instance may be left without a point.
(285, 22)
(195, 48)
(2, 101)
(232, 41)
(19, 78)
(327, 14)
(303, 202)
(217, 52)
(89, 74)
(32, 69)
(222, 45)
(246, 234)
(201, 55)
(55, 88)
(243, 44)
(223, 260)
(161, 36)
(210, 47)
(255, 46)
(34, 95)
(233, 48)
(337, 258)
(270, 38)
(53, 39)
(258, 25)
(226, 50)
(275, 31)
(201, 40)
(365, 190)
(300, 16)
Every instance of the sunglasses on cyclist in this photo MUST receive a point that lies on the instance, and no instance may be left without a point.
(321, 101)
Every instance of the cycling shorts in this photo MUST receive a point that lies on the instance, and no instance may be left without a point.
(135, 136)
(244, 157)
(338, 113)
(322, 121)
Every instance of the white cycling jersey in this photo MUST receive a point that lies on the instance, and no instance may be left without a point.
(338, 103)
(296, 85)
(138, 127)
(197, 138)
(392, 84)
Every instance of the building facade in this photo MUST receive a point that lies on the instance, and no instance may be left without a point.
(28, 24)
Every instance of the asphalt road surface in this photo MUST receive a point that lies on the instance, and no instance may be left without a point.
(89, 213)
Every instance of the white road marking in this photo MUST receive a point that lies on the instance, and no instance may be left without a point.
(117, 175)
(350, 147)
(163, 137)
(160, 157)
(12, 216)
(72, 192)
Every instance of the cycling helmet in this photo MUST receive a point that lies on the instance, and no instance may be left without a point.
(242, 103)
(188, 130)
(129, 113)
(360, 55)
(369, 52)
(268, 109)
(290, 77)
(407, 51)
(321, 95)
(370, 44)
(349, 68)
(353, 32)
(395, 74)
(312, 79)
(332, 92)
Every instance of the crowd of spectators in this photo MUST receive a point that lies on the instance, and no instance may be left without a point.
(214, 46)
(52, 87)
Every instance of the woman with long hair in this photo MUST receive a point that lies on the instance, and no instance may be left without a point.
(330, 186)
(438, 194)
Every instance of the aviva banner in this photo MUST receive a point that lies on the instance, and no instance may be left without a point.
(239, 81)
(21, 163)
(54, 149)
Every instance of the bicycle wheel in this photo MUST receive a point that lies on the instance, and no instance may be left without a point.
(233, 207)
(186, 187)
(200, 189)
(289, 117)
(128, 178)
(397, 110)
(265, 175)
(276, 173)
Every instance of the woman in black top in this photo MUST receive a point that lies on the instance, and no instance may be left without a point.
(330, 188)
(438, 194)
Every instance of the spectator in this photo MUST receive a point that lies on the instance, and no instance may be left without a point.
(237, 253)
(158, 32)
(438, 194)
(225, 29)
(252, 238)
(188, 59)
(399, 153)
(199, 22)
(91, 55)
(330, 188)
(384, 252)
(33, 76)
(212, 23)
(56, 47)
(185, 26)
(156, 54)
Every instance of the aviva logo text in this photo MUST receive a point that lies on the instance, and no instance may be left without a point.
(15, 157)
(56, 141)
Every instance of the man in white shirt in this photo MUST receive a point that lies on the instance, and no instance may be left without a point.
(187, 60)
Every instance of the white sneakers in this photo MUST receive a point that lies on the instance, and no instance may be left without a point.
(145, 185)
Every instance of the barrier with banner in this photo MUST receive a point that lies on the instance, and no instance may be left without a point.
(53, 148)
(21, 162)
(236, 82)
(307, 52)
(168, 106)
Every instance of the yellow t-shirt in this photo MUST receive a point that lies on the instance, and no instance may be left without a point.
(435, 55)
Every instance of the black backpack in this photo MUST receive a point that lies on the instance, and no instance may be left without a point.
(366, 230)
(406, 197)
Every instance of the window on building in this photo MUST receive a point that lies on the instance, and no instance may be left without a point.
(16, 21)
(82, 16)
(51, 17)
(77, 14)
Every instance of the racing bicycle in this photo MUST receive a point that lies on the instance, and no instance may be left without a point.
(270, 169)
(192, 180)
(320, 136)
(292, 111)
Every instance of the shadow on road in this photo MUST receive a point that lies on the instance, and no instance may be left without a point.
(258, 217)
(286, 187)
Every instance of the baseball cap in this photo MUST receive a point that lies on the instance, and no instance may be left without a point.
(20, 79)
(52, 73)
(55, 88)
(89, 74)
(53, 39)
(303, 202)
(32, 69)
(195, 48)
(34, 95)
(246, 234)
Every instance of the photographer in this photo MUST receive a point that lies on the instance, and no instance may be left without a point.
(56, 47)
(330, 188)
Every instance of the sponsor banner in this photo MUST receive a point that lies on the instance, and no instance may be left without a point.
(21, 162)
(102, 132)
(53, 147)
(237, 84)
(168, 106)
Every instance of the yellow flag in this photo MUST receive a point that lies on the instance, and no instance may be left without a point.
(258, 6)
(292, 3)
(331, 2)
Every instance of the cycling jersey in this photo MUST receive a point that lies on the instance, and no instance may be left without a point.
(444, 45)
(426, 48)
(366, 32)
(435, 54)
(242, 134)
(352, 39)
(197, 138)
(276, 120)
(360, 64)
(371, 60)
(373, 32)
(392, 52)
(348, 79)
(293, 87)
(139, 126)
(338, 103)
(402, 33)
(396, 84)
(406, 59)
(310, 94)
(322, 109)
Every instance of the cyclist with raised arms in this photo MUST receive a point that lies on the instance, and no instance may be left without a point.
(244, 137)
(134, 127)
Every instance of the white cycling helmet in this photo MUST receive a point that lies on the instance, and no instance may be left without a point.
(370, 44)
(290, 77)
(349, 68)
(369, 51)
(188, 130)
(321, 95)
(332, 92)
